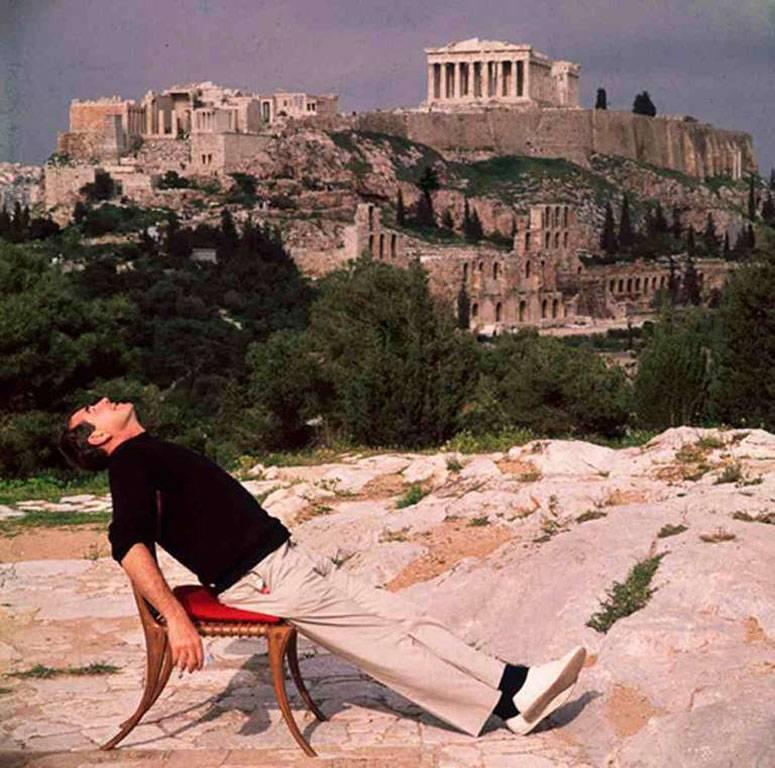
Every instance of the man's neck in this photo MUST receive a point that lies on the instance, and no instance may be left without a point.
(127, 434)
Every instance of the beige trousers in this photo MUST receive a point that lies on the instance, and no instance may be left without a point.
(382, 633)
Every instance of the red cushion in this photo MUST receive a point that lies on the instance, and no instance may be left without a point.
(203, 604)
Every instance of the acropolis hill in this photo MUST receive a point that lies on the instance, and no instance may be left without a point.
(502, 127)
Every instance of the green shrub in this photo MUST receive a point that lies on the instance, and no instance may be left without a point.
(626, 598)
(415, 493)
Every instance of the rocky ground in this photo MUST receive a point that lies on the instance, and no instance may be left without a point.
(515, 551)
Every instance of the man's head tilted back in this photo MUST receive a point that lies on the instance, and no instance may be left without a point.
(92, 432)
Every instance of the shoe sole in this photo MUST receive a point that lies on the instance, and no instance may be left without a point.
(522, 728)
(547, 702)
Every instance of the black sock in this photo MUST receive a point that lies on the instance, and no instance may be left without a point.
(512, 680)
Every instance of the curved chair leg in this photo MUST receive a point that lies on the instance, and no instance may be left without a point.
(157, 672)
(293, 663)
(278, 638)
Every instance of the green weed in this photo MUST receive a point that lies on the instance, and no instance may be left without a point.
(768, 518)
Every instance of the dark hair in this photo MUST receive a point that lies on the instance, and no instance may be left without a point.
(74, 445)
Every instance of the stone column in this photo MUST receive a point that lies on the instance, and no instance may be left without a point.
(430, 83)
(485, 79)
(527, 78)
(496, 72)
(455, 80)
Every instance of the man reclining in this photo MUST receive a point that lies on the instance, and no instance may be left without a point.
(213, 526)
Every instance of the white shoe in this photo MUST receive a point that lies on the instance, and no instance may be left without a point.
(546, 689)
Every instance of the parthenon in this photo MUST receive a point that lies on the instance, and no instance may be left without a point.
(478, 72)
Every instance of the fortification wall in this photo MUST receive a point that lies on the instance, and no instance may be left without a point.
(694, 148)
(225, 152)
(162, 155)
(61, 183)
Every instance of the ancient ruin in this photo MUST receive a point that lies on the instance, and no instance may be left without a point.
(107, 128)
(473, 73)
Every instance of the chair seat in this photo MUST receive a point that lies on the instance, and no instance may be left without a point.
(203, 604)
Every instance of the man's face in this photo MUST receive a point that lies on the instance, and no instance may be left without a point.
(108, 418)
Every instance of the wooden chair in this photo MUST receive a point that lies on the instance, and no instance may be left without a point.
(214, 619)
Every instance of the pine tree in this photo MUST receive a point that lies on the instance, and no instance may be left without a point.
(772, 180)
(691, 248)
(80, 211)
(726, 250)
(229, 237)
(400, 209)
(626, 234)
(602, 99)
(608, 238)
(643, 105)
(751, 199)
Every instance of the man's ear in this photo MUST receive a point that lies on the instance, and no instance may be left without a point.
(98, 437)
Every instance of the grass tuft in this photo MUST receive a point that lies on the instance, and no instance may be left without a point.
(41, 672)
(40, 518)
(732, 473)
(628, 597)
(717, 537)
(768, 518)
(592, 514)
(478, 522)
(670, 530)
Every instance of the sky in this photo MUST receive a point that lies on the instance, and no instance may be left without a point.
(713, 59)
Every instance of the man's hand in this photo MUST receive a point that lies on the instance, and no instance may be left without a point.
(185, 643)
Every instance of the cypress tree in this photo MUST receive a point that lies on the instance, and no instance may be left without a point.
(726, 251)
(463, 308)
(710, 236)
(691, 248)
(772, 179)
(677, 228)
(602, 99)
(751, 199)
(608, 238)
(5, 222)
(768, 209)
(626, 234)
(660, 222)
(400, 209)
(673, 281)
(691, 283)
(447, 221)
(472, 226)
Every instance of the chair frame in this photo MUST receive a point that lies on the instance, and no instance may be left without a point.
(281, 640)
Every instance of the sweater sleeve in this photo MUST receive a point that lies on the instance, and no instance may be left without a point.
(134, 505)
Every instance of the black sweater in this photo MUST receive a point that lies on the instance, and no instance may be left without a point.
(208, 522)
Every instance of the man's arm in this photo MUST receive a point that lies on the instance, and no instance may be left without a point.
(185, 642)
